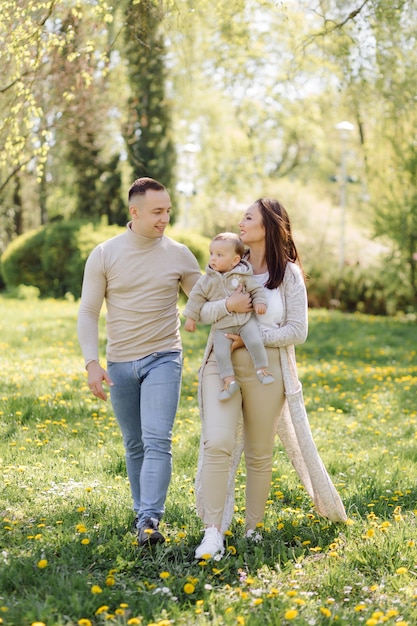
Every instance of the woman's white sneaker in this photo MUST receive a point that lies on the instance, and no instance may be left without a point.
(211, 545)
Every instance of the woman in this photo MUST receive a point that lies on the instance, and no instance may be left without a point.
(249, 421)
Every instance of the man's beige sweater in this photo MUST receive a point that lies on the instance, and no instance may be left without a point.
(139, 279)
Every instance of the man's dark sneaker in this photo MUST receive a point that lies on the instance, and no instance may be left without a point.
(148, 533)
(135, 524)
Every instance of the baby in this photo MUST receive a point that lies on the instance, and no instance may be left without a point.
(224, 273)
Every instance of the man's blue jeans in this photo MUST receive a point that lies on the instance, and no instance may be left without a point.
(145, 396)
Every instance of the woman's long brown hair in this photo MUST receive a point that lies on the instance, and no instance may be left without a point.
(279, 244)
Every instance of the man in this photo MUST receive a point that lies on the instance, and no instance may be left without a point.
(138, 273)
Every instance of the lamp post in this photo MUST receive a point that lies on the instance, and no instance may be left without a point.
(344, 128)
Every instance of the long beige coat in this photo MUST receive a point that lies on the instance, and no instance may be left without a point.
(293, 427)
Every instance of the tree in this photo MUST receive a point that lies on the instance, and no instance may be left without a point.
(52, 52)
(147, 132)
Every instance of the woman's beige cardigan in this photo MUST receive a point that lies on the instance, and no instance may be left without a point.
(293, 427)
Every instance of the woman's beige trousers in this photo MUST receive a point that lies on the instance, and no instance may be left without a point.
(261, 405)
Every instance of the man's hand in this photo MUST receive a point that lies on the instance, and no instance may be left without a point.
(96, 375)
(239, 302)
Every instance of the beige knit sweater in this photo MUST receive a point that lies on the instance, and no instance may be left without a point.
(139, 278)
(293, 427)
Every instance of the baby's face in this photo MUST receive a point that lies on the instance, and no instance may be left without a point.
(223, 256)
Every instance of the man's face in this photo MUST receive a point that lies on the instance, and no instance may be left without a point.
(150, 213)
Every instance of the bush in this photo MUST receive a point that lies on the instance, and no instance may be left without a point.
(375, 290)
(52, 258)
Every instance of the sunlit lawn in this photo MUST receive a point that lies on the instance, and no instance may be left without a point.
(68, 556)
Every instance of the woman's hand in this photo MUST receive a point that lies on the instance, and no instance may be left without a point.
(239, 302)
(237, 341)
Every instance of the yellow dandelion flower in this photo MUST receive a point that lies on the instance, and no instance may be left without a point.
(189, 588)
(291, 614)
(110, 581)
(164, 575)
(231, 549)
(257, 601)
(134, 621)
(359, 607)
(371, 622)
(392, 613)
(85, 622)
(96, 589)
(38, 624)
(42, 564)
(325, 611)
(85, 541)
(291, 593)
(401, 570)
(80, 528)
(370, 533)
(240, 620)
(401, 623)
(102, 609)
(119, 612)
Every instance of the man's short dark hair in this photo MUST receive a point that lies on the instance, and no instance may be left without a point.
(141, 185)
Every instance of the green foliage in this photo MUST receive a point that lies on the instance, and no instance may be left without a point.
(69, 557)
(376, 290)
(52, 258)
(148, 130)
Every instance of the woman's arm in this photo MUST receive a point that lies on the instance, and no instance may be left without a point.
(295, 328)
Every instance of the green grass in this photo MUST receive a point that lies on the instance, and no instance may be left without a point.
(65, 501)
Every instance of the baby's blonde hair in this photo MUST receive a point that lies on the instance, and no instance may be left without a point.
(234, 239)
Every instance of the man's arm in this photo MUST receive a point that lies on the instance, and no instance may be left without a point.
(92, 297)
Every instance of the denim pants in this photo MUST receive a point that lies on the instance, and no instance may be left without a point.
(145, 396)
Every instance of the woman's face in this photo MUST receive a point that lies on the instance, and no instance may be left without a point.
(251, 226)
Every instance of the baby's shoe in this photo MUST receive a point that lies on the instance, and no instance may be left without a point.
(229, 390)
(265, 377)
